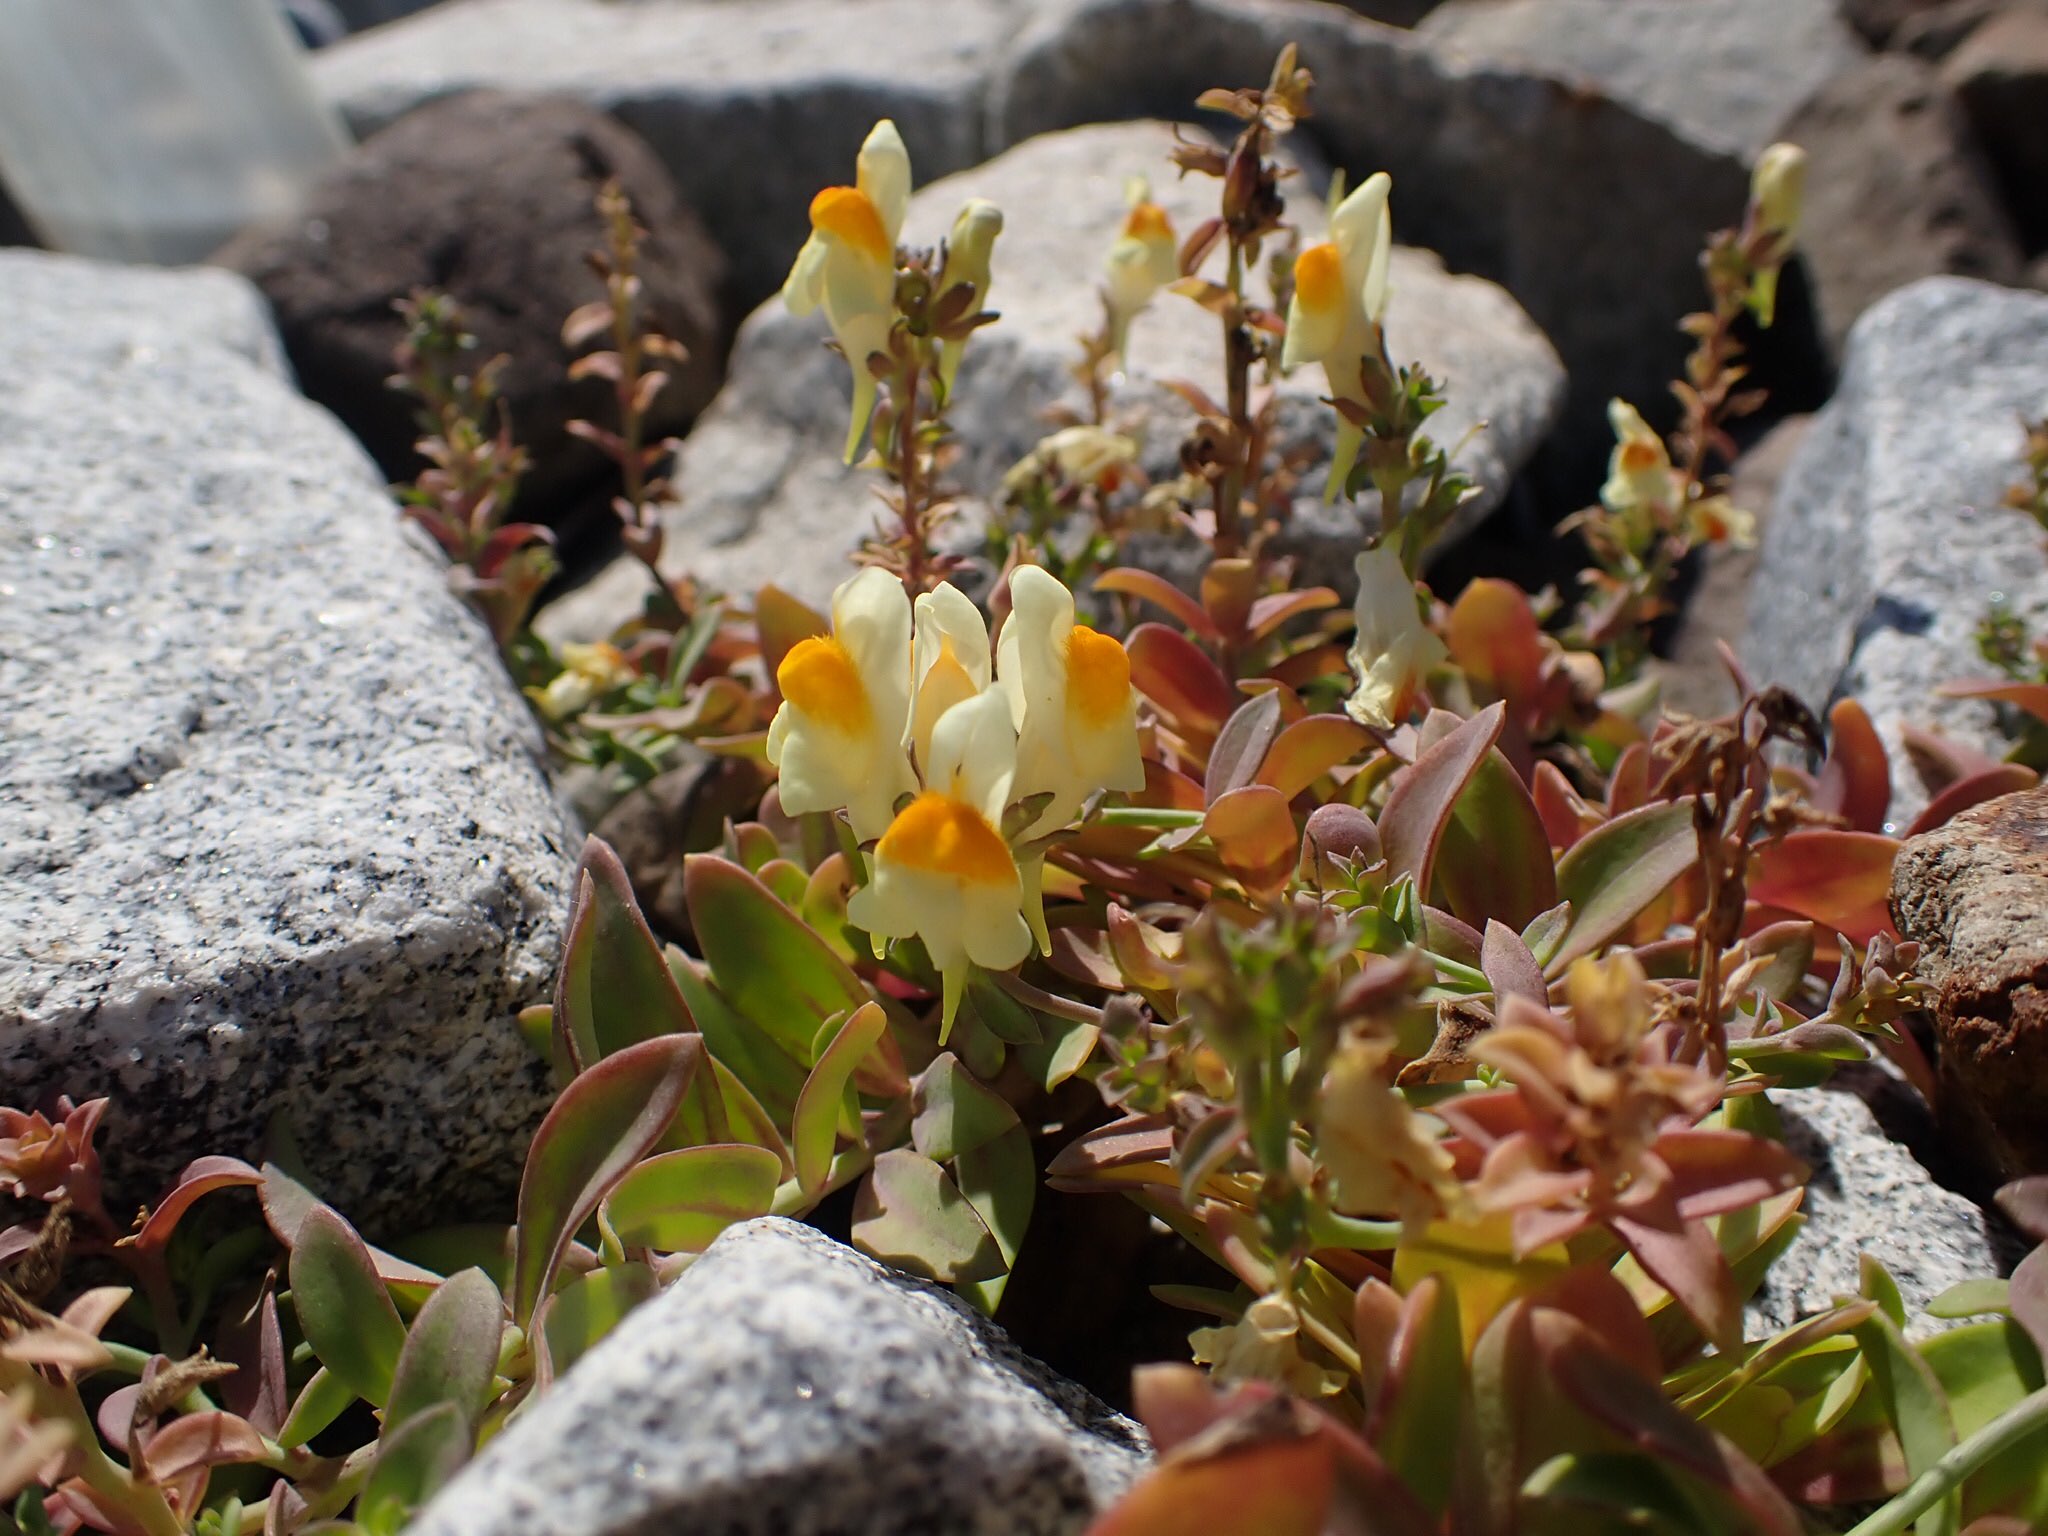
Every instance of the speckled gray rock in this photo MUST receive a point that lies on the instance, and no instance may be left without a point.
(753, 106)
(766, 497)
(1867, 1196)
(1724, 73)
(1888, 542)
(273, 836)
(785, 1384)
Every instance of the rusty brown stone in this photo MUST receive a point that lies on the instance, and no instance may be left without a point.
(1974, 894)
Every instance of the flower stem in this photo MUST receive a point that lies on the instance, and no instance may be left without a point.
(2028, 1416)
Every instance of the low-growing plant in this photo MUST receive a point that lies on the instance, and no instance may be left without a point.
(1404, 962)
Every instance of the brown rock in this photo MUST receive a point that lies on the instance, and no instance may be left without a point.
(489, 197)
(1896, 190)
(1974, 894)
(2000, 74)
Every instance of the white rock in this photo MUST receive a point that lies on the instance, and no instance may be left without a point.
(788, 1386)
(273, 832)
(1889, 543)
(1867, 1196)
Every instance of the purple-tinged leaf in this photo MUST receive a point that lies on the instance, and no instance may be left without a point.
(1495, 861)
(1510, 966)
(2027, 1297)
(206, 1439)
(2004, 779)
(1421, 1401)
(201, 1177)
(1855, 781)
(1310, 748)
(1615, 871)
(1424, 795)
(1242, 745)
(606, 1120)
(1132, 582)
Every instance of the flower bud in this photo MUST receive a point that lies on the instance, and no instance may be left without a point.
(1777, 188)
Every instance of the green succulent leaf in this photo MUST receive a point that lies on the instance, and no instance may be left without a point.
(910, 1214)
(1910, 1394)
(954, 1113)
(606, 1120)
(324, 1398)
(1494, 861)
(999, 1178)
(1422, 1397)
(770, 1076)
(613, 988)
(411, 1466)
(823, 1106)
(1423, 798)
(344, 1310)
(678, 1202)
(777, 974)
(573, 1320)
(451, 1351)
(1612, 873)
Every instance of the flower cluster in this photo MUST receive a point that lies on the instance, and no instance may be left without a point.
(955, 757)
(1648, 495)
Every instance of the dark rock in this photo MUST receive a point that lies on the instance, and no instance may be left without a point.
(1895, 190)
(753, 105)
(488, 197)
(785, 1384)
(2000, 73)
(1974, 895)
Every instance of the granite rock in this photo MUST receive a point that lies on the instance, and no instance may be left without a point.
(489, 198)
(274, 836)
(1888, 542)
(1895, 190)
(752, 106)
(786, 1384)
(1974, 895)
(1868, 1195)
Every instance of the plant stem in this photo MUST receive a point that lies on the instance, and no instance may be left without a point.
(907, 476)
(1237, 383)
(2026, 1417)
(1046, 1002)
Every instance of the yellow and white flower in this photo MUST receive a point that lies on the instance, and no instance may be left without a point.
(970, 251)
(1082, 454)
(589, 672)
(949, 662)
(942, 871)
(838, 739)
(1640, 475)
(1394, 649)
(849, 263)
(1340, 297)
(1144, 259)
(1070, 697)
